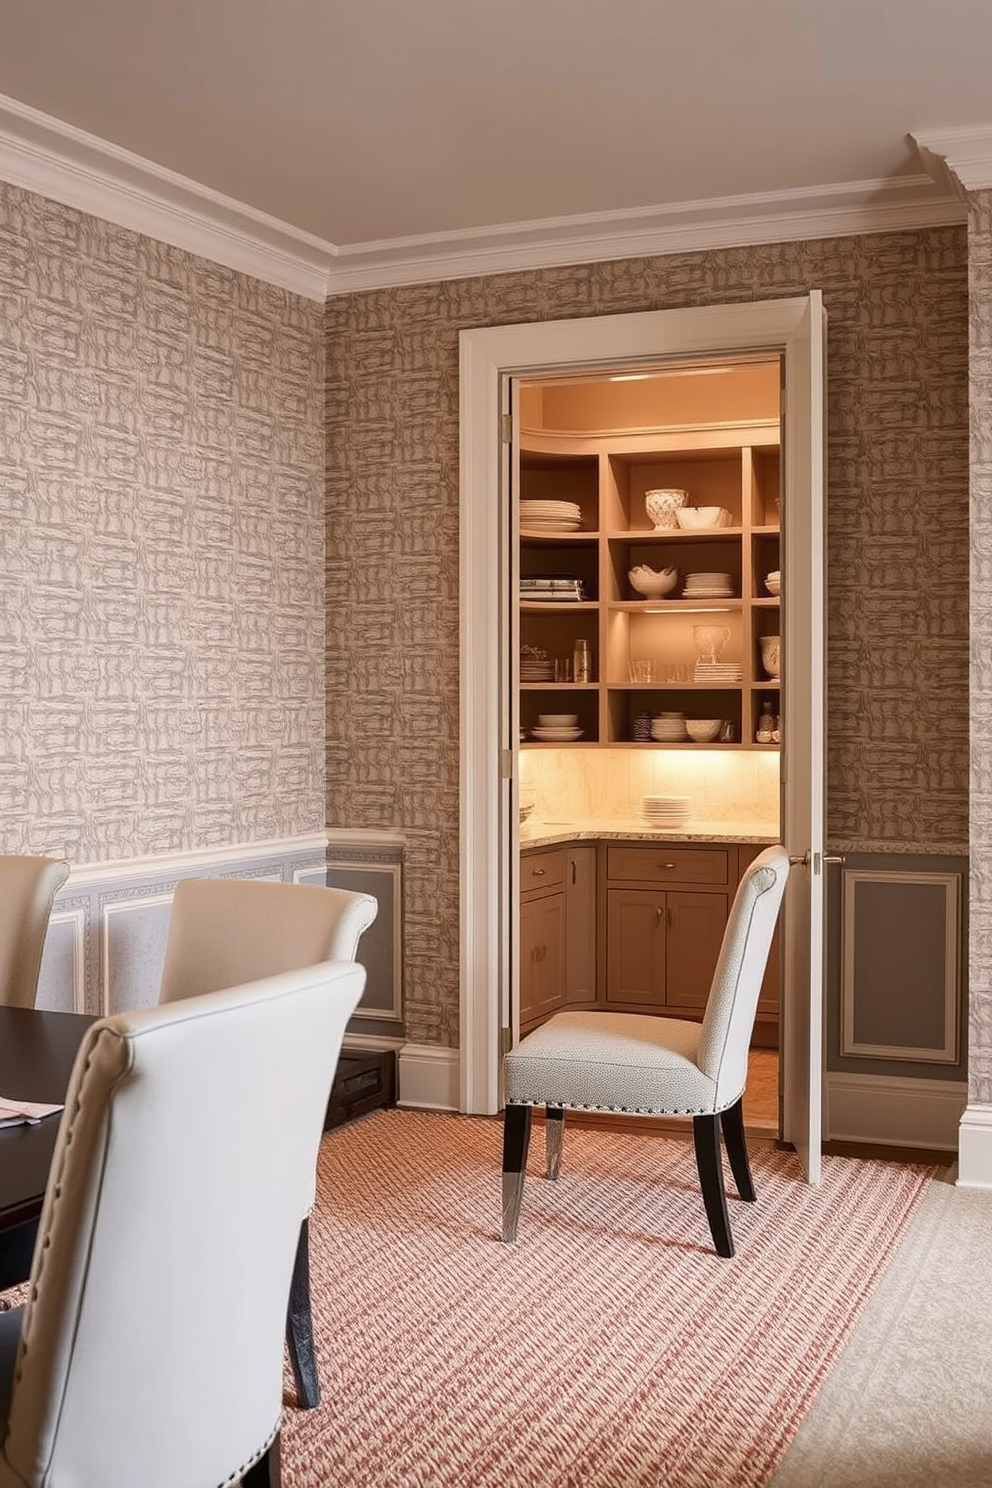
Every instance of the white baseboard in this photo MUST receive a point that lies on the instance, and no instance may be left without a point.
(428, 1077)
(975, 1147)
(895, 1111)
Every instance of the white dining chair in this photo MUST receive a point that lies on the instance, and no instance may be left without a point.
(28, 885)
(149, 1352)
(647, 1065)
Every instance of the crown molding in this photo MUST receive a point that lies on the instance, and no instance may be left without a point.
(842, 210)
(958, 159)
(42, 154)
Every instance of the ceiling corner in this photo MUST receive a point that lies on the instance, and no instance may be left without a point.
(958, 158)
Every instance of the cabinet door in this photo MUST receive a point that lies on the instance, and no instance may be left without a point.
(580, 925)
(635, 942)
(696, 923)
(542, 958)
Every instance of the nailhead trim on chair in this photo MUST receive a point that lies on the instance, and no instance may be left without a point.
(255, 1457)
(630, 1110)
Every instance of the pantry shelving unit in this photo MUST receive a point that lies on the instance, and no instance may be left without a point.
(734, 466)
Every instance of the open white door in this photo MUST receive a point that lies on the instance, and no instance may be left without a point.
(803, 735)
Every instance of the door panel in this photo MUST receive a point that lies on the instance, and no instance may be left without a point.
(635, 940)
(696, 923)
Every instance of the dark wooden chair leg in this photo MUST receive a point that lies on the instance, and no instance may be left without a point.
(299, 1327)
(732, 1121)
(706, 1139)
(516, 1140)
(267, 1471)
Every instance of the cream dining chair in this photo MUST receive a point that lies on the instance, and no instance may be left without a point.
(149, 1353)
(647, 1065)
(28, 885)
(223, 931)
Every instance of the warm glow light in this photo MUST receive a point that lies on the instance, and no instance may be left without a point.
(690, 610)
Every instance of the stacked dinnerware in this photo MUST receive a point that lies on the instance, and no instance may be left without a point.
(550, 516)
(668, 728)
(666, 811)
(718, 673)
(557, 728)
(773, 581)
(708, 586)
(536, 665)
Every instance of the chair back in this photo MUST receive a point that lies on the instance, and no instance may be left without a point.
(740, 968)
(151, 1349)
(223, 931)
(28, 886)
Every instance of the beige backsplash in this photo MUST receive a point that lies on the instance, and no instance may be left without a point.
(606, 784)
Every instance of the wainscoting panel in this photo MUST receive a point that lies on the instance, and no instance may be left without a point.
(106, 942)
(900, 982)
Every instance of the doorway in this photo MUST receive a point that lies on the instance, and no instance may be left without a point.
(675, 697)
(490, 359)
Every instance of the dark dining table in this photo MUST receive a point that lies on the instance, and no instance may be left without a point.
(37, 1052)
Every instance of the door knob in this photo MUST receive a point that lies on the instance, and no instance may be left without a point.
(802, 860)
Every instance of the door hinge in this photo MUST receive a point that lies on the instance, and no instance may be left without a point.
(506, 764)
(505, 1041)
(506, 428)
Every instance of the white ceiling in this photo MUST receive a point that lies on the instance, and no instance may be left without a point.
(360, 123)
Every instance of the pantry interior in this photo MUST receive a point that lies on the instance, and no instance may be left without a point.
(632, 834)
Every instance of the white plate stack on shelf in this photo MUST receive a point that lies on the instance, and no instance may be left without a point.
(708, 586)
(536, 665)
(550, 516)
(719, 673)
(557, 728)
(668, 728)
(773, 581)
(666, 812)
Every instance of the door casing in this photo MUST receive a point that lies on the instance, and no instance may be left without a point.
(489, 359)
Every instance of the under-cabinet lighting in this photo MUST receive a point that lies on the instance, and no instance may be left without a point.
(669, 372)
(690, 610)
(631, 377)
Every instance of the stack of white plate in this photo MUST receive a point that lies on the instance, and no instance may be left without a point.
(773, 581)
(536, 665)
(556, 735)
(718, 673)
(550, 516)
(668, 728)
(708, 586)
(666, 811)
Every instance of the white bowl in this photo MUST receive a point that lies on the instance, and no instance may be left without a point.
(662, 504)
(651, 582)
(557, 720)
(693, 517)
(703, 730)
(773, 582)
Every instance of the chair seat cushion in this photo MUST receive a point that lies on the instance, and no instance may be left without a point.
(631, 1062)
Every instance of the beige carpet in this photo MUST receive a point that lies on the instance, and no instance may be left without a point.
(610, 1348)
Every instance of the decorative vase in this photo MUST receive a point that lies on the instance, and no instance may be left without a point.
(661, 506)
(771, 655)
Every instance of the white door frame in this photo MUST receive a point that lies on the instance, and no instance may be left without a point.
(487, 357)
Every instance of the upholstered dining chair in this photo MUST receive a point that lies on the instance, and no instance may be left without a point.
(653, 1066)
(223, 931)
(149, 1351)
(28, 885)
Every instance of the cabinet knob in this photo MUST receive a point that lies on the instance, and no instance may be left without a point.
(537, 872)
(669, 866)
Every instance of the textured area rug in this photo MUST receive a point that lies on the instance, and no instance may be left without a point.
(610, 1347)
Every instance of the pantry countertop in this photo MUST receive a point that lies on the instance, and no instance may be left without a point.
(539, 833)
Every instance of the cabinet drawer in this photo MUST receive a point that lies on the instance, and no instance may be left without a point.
(542, 870)
(665, 865)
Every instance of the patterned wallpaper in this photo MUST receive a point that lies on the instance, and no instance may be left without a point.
(897, 546)
(980, 923)
(161, 506)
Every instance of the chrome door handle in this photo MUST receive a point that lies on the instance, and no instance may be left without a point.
(803, 861)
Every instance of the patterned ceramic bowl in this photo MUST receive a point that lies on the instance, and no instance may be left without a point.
(661, 505)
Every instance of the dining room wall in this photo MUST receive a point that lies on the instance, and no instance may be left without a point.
(161, 494)
(897, 547)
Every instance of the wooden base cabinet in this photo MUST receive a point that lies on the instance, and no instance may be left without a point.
(630, 927)
(662, 949)
(557, 931)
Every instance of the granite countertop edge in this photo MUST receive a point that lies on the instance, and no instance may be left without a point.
(549, 833)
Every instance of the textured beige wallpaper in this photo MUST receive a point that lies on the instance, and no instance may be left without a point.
(897, 546)
(980, 923)
(161, 545)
